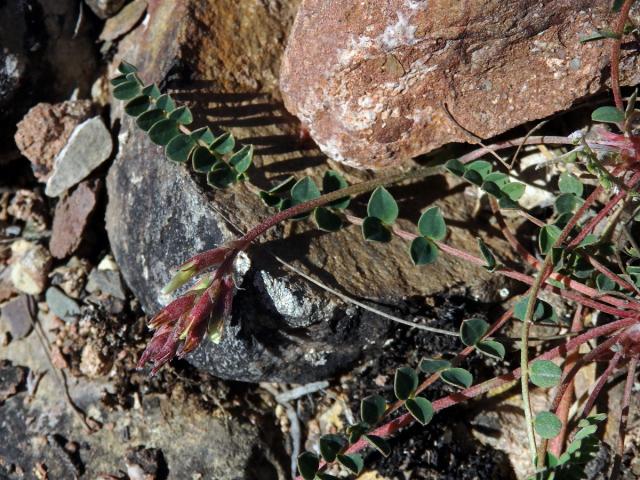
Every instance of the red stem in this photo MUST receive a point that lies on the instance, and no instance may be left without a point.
(624, 416)
(602, 380)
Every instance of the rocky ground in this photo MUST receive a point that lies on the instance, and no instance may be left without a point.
(92, 219)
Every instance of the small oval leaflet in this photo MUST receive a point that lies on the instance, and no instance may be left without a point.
(458, 377)
(308, 464)
(433, 365)
(332, 181)
(327, 220)
(221, 176)
(372, 408)
(431, 224)
(304, 190)
(163, 132)
(182, 115)
(472, 330)
(423, 251)
(545, 374)
(330, 446)
(607, 114)
(373, 230)
(547, 425)
(137, 106)
(379, 444)
(354, 462)
(569, 183)
(166, 103)
(420, 408)
(491, 348)
(224, 143)
(203, 160)
(405, 382)
(241, 160)
(382, 206)
(149, 118)
(179, 148)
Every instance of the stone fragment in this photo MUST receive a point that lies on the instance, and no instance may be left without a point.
(12, 70)
(45, 129)
(105, 8)
(72, 277)
(124, 21)
(71, 218)
(12, 379)
(19, 315)
(30, 265)
(7, 290)
(28, 206)
(107, 282)
(92, 363)
(145, 463)
(88, 147)
(61, 305)
(372, 81)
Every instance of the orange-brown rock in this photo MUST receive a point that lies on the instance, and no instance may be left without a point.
(370, 80)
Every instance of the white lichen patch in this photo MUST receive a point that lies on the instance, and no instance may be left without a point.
(401, 33)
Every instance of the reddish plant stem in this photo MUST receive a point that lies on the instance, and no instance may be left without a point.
(602, 213)
(511, 238)
(450, 400)
(556, 445)
(615, 53)
(601, 382)
(611, 275)
(624, 416)
(531, 140)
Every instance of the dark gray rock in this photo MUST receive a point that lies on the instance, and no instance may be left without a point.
(159, 214)
(61, 305)
(19, 314)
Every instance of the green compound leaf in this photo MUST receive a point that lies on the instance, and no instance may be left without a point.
(308, 464)
(542, 311)
(203, 160)
(569, 183)
(225, 143)
(549, 234)
(327, 220)
(331, 182)
(149, 119)
(458, 377)
(373, 230)
(304, 190)
(472, 330)
(330, 446)
(405, 382)
(152, 91)
(353, 462)
(241, 160)
(125, 68)
(127, 90)
(182, 115)
(383, 206)
(491, 348)
(432, 225)
(547, 425)
(372, 408)
(203, 135)
(163, 132)
(179, 148)
(137, 106)
(545, 374)
(433, 365)
(379, 444)
(514, 190)
(488, 256)
(481, 166)
(456, 167)
(420, 408)
(221, 176)
(166, 103)
(423, 251)
(607, 115)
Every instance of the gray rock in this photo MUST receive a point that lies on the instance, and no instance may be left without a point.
(89, 145)
(61, 305)
(12, 69)
(18, 314)
(107, 282)
(159, 214)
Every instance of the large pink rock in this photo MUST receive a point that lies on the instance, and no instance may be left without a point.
(370, 79)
